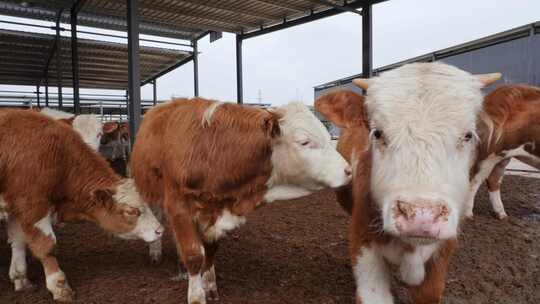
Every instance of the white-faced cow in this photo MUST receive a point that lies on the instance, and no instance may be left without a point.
(49, 174)
(89, 126)
(510, 128)
(209, 164)
(411, 144)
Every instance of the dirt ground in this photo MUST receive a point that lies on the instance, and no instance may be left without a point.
(296, 252)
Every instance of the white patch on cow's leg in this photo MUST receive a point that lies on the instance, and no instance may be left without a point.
(17, 268)
(497, 204)
(45, 225)
(210, 284)
(372, 279)
(154, 251)
(57, 284)
(196, 293)
(486, 167)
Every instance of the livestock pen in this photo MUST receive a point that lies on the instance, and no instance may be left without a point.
(288, 252)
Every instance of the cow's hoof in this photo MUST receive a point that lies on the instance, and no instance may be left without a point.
(197, 301)
(212, 295)
(154, 251)
(502, 216)
(64, 295)
(22, 284)
(155, 259)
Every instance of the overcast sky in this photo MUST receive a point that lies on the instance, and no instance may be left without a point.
(286, 65)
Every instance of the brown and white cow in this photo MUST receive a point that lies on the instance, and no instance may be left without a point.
(209, 164)
(411, 144)
(49, 174)
(88, 126)
(510, 128)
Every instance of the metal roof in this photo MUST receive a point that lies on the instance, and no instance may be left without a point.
(102, 64)
(184, 19)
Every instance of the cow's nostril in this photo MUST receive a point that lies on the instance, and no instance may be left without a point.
(442, 212)
(348, 171)
(405, 209)
(159, 231)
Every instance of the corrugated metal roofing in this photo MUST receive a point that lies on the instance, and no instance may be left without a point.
(101, 64)
(182, 19)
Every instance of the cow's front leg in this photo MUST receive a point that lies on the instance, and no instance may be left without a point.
(155, 248)
(41, 240)
(372, 277)
(17, 268)
(209, 271)
(190, 247)
(494, 181)
(469, 204)
(431, 290)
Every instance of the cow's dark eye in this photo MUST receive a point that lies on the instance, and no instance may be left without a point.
(468, 136)
(305, 143)
(377, 133)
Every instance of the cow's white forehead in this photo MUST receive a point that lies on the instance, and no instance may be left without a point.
(298, 119)
(424, 97)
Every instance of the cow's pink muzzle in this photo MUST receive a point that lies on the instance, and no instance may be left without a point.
(420, 220)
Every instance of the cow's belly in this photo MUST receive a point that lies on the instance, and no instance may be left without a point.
(225, 223)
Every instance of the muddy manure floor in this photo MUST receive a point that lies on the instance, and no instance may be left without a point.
(296, 252)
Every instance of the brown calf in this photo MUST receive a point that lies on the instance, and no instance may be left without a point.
(346, 110)
(511, 128)
(49, 174)
(209, 164)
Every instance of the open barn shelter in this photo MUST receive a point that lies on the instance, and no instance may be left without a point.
(188, 20)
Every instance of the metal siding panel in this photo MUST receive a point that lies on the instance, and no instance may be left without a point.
(512, 59)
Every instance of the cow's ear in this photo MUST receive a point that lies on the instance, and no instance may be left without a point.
(271, 124)
(342, 108)
(109, 127)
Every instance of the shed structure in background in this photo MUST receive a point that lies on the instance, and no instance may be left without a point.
(189, 20)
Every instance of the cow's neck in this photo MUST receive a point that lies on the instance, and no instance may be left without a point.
(84, 176)
(284, 192)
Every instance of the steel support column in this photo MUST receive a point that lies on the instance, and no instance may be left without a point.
(154, 91)
(367, 41)
(196, 67)
(75, 59)
(59, 62)
(37, 94)
(47, 92)
(134, 76)
(239, 80)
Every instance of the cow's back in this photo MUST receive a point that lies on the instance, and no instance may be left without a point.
(36, 150)
(515, 114)
(226, 155)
